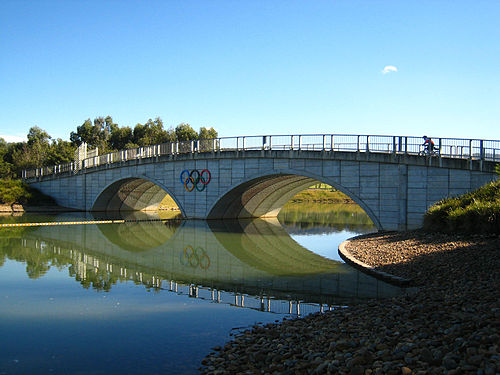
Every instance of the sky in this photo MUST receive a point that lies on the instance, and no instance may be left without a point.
(253, 67)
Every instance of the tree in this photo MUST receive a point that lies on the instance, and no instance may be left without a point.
(33, 153)
(95, 134)
(37, 135)
(60, 152)
(205, 137)
(6, 168)
(207, 133)
(120, 137)
(152, 133)
(13, 191)
(184, 132)
(84, 133)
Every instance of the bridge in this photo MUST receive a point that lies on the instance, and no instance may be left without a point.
(254, 176)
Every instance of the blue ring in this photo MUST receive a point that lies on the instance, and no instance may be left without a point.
(182, 180)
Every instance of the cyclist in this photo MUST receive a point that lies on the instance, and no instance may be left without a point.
(428, 145)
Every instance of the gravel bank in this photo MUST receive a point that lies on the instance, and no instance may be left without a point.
(450, 326)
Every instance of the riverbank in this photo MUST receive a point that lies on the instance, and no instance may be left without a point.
(449, 326)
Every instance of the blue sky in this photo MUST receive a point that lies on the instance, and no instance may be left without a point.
(253, 67)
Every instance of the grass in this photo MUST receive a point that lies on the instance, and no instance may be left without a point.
(322, 194)
(477, 212)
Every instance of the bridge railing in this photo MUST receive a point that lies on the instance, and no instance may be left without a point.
(473, 149)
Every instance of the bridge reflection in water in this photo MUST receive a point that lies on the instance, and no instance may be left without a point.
(252, 263)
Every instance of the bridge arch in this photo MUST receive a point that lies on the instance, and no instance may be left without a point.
(263, 195)
(132, 193)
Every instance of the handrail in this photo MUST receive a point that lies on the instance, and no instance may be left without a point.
(462, 148)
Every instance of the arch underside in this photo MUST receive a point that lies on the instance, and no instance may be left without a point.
(261, 197)
(131, 194)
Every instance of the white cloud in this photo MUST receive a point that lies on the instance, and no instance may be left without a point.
(389, 69)
(13, 138)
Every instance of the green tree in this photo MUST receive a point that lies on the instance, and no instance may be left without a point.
(84, 133)
(32, 154)
(13, 191)
(120, 137)
(209, 133)
(95, 134)
(152, 133)
(37, 135)
(184, 132)
(6, 168)
(60, 152)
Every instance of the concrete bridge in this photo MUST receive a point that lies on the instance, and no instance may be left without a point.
(241, 177)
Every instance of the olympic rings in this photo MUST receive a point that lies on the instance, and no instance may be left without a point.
(194, 257)
(194, 178)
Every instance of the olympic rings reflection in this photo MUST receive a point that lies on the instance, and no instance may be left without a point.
(194, 257)
(192, 180)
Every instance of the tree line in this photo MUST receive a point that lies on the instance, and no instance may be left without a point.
(41, 149)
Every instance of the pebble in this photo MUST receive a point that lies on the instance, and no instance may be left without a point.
(449, 325)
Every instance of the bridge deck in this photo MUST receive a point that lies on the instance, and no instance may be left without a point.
(470, 153)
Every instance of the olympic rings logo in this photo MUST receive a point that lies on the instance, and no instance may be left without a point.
(195, 179)
(194, 258)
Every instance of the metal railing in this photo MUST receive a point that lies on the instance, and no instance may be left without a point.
(472, 149)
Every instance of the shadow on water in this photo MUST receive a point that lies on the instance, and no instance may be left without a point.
(246, 262)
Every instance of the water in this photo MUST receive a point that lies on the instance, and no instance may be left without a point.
(151, 297)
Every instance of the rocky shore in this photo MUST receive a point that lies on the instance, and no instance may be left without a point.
(449, 326)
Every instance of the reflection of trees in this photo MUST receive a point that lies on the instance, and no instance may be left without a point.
(335, 217)
(96, 278)
(37, 262)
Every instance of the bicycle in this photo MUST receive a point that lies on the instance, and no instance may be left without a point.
(427, 152)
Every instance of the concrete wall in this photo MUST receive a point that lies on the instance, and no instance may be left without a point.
(394, 190)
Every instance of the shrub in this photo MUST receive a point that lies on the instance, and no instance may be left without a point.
(17, 192)
(475, 212)
(13, 191)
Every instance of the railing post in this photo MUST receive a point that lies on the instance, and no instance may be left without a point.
(324, 142)
(357, 145)
(300, 142)
(291, 142)
(481, 150)
(238, 144)
(393, 144)
(367, 143)
(331, 142)
(270, 142)
(177, 147)
(470, 149)
(214, 143)
(243, 141)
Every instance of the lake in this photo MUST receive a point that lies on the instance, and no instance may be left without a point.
(154, 296)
